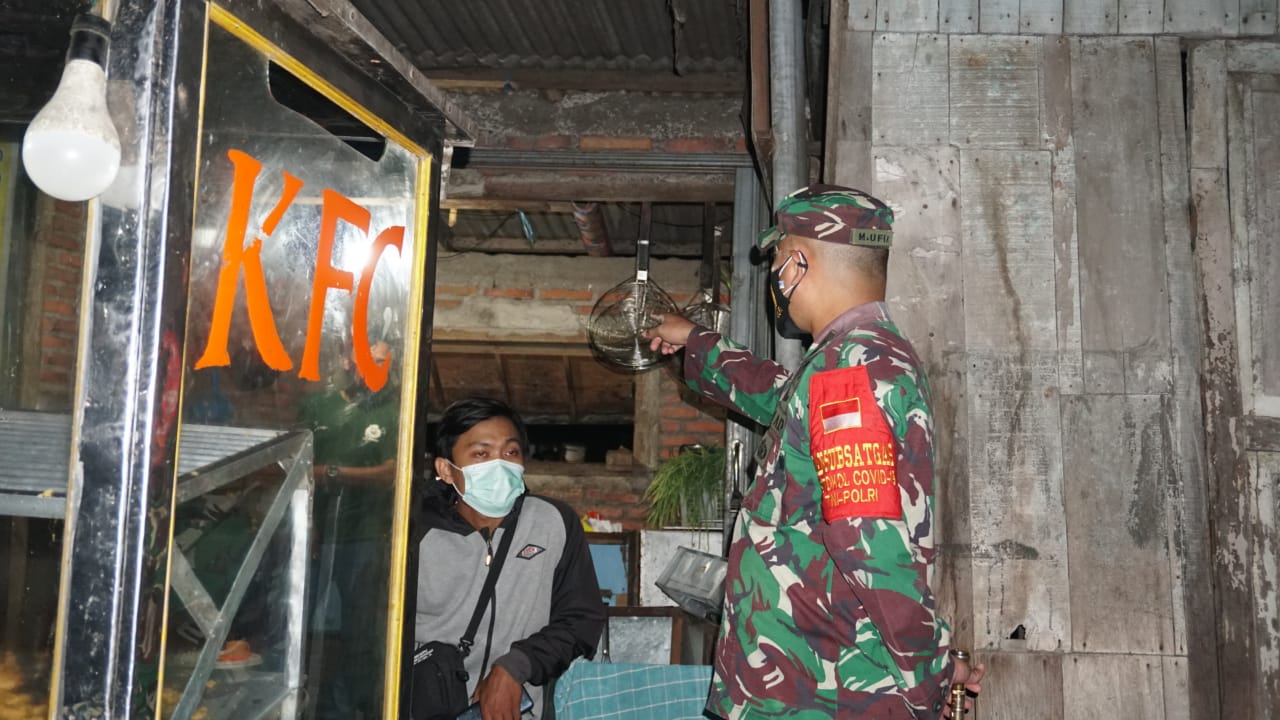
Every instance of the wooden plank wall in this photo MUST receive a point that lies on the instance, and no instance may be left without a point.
(1236, 206)
(1045, 269)
(1201, 18)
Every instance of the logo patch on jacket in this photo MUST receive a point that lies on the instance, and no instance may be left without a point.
(853, 447)
(530, 551)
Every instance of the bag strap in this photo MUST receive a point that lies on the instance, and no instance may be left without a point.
(491, 580)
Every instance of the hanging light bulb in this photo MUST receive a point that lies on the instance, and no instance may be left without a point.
(71, 150)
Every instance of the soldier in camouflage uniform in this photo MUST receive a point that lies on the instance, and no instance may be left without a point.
(828, 609)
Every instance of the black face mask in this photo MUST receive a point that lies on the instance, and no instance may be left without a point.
(783, 323)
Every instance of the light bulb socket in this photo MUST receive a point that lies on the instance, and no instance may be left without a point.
(90, 39)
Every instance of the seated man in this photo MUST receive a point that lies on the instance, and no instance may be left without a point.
(547, 608)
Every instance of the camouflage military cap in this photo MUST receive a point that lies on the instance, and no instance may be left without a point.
(833, 214)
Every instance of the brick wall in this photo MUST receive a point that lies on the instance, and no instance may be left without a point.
(619, 495)
(497, 298)
(569, 307)
(54, 295)
(687, 419)
(616, 496)
(537, 298)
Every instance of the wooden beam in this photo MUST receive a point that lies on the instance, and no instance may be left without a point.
(475, 203)
(594, 80)
(667, 247)
(505, 374)
(487, 339)
(1226, 465)
(336, 28)
(568, 383)
(648, 416)
(472, 347)
(438, 384)
(590, 186)
(1188, 487)
(760, 120)
(540, 246)
(19, 535)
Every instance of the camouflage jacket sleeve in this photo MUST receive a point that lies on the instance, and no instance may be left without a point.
(871, 442)
(730, 375)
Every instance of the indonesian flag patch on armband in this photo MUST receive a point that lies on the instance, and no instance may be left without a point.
(853, 447)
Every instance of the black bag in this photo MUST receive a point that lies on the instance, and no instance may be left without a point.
(439, 674)
(439, 682)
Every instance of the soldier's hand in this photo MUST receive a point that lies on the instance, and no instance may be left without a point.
(972, 679)
(670, 334)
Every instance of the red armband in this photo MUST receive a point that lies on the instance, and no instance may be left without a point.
(853, 447)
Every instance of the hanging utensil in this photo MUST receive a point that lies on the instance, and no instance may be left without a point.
(705, 308)
(620, 317)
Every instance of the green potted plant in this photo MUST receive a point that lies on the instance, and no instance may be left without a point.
(688, 489)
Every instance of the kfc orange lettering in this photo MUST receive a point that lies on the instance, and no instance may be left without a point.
(238, 259)
(235, 256)
(334, 207)
(374, 374)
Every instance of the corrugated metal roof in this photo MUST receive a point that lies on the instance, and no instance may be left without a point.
(684, 36)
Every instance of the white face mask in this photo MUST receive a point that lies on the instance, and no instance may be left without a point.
(492, 486)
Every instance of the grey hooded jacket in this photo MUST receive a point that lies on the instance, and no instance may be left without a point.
(547, 598)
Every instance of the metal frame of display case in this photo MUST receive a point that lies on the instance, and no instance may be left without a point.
(292, 451)
(33, 484)
(129, 369)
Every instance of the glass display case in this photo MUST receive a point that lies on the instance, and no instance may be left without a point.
(223, 473)
(302, 265)
(217, 466)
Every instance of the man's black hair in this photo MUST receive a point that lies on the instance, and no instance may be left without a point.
(465, 414)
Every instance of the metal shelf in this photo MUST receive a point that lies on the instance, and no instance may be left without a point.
(34, 469)
(35, 447)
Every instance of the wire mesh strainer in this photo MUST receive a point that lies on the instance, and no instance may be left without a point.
(624, 312)
(705, 311)
(705, 308)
